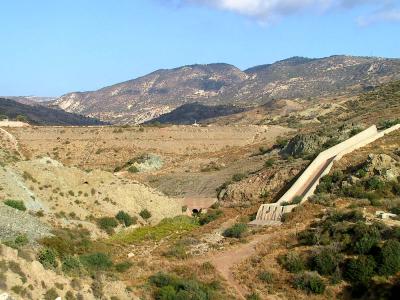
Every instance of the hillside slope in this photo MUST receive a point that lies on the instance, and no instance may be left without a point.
(195, 112)
(41, 115)
(148, 97)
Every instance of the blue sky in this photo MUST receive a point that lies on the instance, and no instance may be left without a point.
(50, 47)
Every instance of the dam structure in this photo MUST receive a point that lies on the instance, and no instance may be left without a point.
(305, 185)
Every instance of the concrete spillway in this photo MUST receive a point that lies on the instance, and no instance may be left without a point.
(305, 186)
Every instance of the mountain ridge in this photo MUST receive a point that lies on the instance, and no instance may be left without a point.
(149, 96)
(42, 115)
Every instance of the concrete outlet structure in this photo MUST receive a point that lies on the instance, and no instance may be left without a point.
(305, 186)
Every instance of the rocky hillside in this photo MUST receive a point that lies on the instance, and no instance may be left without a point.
(41, 115)
(196, 112)
(160, 92)
(150, 96)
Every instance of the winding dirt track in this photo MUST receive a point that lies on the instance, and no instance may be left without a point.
(225, 261)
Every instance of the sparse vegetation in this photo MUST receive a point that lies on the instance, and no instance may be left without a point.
(266, 277)
(210, 216)
(236, 231)
(107, 224)
(125, 218)
(123, 266)
(292, 262)
(96, 261)
(167, 227)
(309, 282)
(48, 258)
(145, 214)
(16, 204)
(238, 177)
(19, 241)
(51, 294)
(169, 286)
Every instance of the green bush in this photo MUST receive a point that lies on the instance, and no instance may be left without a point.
(71, 265)
(365, 238)
(310, 282)
(123, 266)
(68, 241)
(171, 287)
(107, 223)
(20, 241)
(236, 231)
(361, 173)
(210, 216)
(281, 142)
(179, 250)
(48, 258)
(326, 261)
(269, 163)
(308, 237)
(292, 262)
(360, 270)
(396, 188)
(350, 216)
(167, 293)
(133, 169)
(390, 258)
(253, 296)
(388, 123)
(16, 204)
(325, 184)
(96, 261)
(265, 276)
(125, 218)
(145, 214)
(374, 183)
(297, 200)
(51, 294)
(238, 177)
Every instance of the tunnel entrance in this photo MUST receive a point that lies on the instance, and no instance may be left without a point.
(196, 211)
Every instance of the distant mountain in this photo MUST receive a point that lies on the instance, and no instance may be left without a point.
(40, 115)
(195, 112)
(29, 100)
(150, 96)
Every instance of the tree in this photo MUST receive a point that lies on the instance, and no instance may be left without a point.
(326, 261)
(390, 258)
(360, 270)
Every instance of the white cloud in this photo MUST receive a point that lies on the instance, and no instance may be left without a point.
(384, 15)
(264, 9)
(270, 10)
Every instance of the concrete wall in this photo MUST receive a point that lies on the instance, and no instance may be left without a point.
(322, 159)
(320, 167)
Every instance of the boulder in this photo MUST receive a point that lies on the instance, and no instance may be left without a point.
(304, 144)
(383, 166)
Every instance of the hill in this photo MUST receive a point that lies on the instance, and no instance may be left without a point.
(195, 112)
(41, 115)
(30, 100)
(147, 97)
